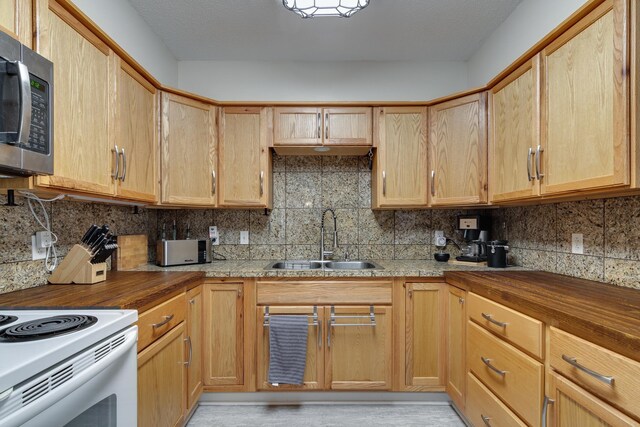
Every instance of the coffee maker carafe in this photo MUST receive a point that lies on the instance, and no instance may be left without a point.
(475, 232)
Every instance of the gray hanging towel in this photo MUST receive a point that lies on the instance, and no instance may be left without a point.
(287, 348)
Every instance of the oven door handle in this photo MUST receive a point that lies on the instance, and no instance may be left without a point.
(58, 393)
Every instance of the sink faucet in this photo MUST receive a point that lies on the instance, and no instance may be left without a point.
(327, 254)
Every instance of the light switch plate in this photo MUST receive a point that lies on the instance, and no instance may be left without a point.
(244, 237)
(577, 243)
(37, 253)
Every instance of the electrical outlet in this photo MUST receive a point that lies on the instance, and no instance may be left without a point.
(438, 234)
(213, 235)
(36, 252)
(244, 237)
(577, 243)
(43, 239)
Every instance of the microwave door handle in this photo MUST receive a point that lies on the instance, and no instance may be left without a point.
(25, 104)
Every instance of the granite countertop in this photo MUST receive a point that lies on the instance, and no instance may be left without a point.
(391, 268)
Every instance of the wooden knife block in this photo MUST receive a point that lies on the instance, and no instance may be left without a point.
(76, 268)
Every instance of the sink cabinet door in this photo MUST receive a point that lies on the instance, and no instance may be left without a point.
(314, 370)
(359, 357)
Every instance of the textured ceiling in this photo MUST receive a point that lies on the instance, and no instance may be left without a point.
(387, 30)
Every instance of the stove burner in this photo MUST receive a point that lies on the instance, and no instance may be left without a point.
(46, 327)
(4, 319)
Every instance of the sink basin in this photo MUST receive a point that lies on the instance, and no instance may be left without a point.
(318, 265)
(295, 265)
(350, 265)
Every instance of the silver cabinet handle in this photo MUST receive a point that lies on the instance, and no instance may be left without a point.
(433, 183)
(493, 368)
(486, 420)
(319, 332)
(494, 321)
(166, 320)
(192, 301)
(461, 300)
(261, 183)
(574, 362)
(545, 406)
(326, 125)
(213, 182)
(529, 177)
(124, 165)
(328, 333)
(319, 125)
(539, 150)
(116, 159)
(384, 183)
(188, 362)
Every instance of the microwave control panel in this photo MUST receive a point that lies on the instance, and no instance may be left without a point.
(39, 135)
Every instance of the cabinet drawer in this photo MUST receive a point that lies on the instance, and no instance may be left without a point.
(516, 378)
(484, 408)
(154, 323)
(624, 390)
(519, 329)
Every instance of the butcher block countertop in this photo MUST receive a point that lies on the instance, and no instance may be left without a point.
(123, 289)
(607, 315)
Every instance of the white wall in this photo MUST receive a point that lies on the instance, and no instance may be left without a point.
(527, 25)
(125, 25)
(322, 81)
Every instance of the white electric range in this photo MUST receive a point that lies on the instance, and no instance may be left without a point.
(68, 367)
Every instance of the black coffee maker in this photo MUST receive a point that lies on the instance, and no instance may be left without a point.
(475, 232)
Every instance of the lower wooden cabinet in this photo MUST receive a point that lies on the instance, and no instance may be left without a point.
(347, 354)
(162, 378)
(456, 337)
(223, 334)
(483, 408)
(572, 406)
(194, 349)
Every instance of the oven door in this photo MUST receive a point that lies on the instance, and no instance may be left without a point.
(101, 395)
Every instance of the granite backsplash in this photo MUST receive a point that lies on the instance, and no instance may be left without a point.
(539, 236)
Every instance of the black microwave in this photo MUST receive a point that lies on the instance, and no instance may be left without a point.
(26, 110)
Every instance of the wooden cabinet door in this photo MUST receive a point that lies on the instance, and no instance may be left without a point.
(359, 357)
(84, 102)
(245, 159)
(456, 337)
(194, 343)
(188, 151)
(297, 126)
(399, 176)
(572, 406)
(458, 151)
(347, 126)
(223, 334)
(15, 19)
(515, 134)
(585, 111)
(137, 135)
(161, 381)
(314, 370)
(425, 334)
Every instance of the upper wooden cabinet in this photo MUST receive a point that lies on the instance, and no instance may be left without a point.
(15, 19)
(458, 151)
(585, 107)
(84, 103)
(137, 136)
(399, 176)
(245, 159)
(514, 109)
(297, 130)
(188, 152)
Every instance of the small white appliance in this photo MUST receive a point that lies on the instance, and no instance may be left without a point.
(72, 367)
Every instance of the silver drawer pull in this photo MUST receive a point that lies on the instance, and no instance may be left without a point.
(486, 420)
(188, 362)
(573, 362)
(493, 368)
(166, 320)
(494, 321)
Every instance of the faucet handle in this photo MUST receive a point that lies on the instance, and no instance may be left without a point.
(346, 254)
(327, 254)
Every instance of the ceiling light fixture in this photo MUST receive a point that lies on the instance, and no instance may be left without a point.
(313, 8)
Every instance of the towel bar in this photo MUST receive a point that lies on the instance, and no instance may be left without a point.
(371, 316)
(313, 317)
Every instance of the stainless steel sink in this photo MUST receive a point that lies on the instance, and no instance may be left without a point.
(295, 265)
(350, 265)
(318, 265)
